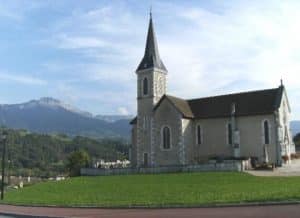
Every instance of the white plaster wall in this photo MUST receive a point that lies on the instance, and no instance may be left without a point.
(252, 136)
(214, 137)
(214, 140)
(284, 121)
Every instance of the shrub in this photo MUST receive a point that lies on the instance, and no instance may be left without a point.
(295, 156)
(77, 160)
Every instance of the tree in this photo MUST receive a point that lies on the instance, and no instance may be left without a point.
(48, 154)
(77, 160)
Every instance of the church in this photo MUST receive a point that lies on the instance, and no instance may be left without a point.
(171, 131)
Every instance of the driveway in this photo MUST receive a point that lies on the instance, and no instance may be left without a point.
(292, 169)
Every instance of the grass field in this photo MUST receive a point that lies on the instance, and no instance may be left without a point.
(159, 190)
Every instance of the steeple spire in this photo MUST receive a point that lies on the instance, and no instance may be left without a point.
(151, 57)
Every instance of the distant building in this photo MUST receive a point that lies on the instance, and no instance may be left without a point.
(172, 131)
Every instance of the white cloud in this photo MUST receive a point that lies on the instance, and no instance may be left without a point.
(64, 41)
(99, 101)
(17, 10)
(22, 79)
(123, 111)
(66, 92)
(106, 43)
(242, 48)
(4, 13)
(233, 47)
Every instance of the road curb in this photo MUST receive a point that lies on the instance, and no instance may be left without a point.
(242, 204)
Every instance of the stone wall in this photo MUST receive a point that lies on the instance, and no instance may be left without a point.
(167, 115)
(144, 129)
(228, 165)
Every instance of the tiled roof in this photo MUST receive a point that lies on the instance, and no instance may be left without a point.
(246, 103)
(182, 105)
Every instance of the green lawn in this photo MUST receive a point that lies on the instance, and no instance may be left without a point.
(159, 190)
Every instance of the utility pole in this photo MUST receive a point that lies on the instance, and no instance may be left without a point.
(3, 141)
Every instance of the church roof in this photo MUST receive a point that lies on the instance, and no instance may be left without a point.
(133, 121)
(182, 105)
(151, 57)
(246, 103)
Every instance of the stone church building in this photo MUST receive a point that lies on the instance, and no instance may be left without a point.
(170, 130)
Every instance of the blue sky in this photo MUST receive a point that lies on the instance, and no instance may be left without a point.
(85, 52)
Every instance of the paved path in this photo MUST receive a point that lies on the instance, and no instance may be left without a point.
(292, 169)
(274, 211)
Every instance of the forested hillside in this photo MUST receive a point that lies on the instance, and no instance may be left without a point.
(45, 155)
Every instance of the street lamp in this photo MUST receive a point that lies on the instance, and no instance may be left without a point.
(3, 139)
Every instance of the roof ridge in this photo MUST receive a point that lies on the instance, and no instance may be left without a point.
(172, 96)
(231, 94)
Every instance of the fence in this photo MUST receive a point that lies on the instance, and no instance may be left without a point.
(227, 165)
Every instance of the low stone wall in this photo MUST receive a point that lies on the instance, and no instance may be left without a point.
(227, 165)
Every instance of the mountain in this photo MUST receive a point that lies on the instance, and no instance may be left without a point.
(295, 126)
(49, 115)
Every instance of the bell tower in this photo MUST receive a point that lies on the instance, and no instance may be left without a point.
(151, 86)
(151, 71)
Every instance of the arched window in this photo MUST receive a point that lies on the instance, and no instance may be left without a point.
(145, 86)
(166, 137)
(266, 133)
(199, 135)
(229, 133)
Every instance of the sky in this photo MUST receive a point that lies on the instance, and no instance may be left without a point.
(85, 53)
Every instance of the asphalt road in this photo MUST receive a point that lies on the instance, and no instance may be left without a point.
(273, 211)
